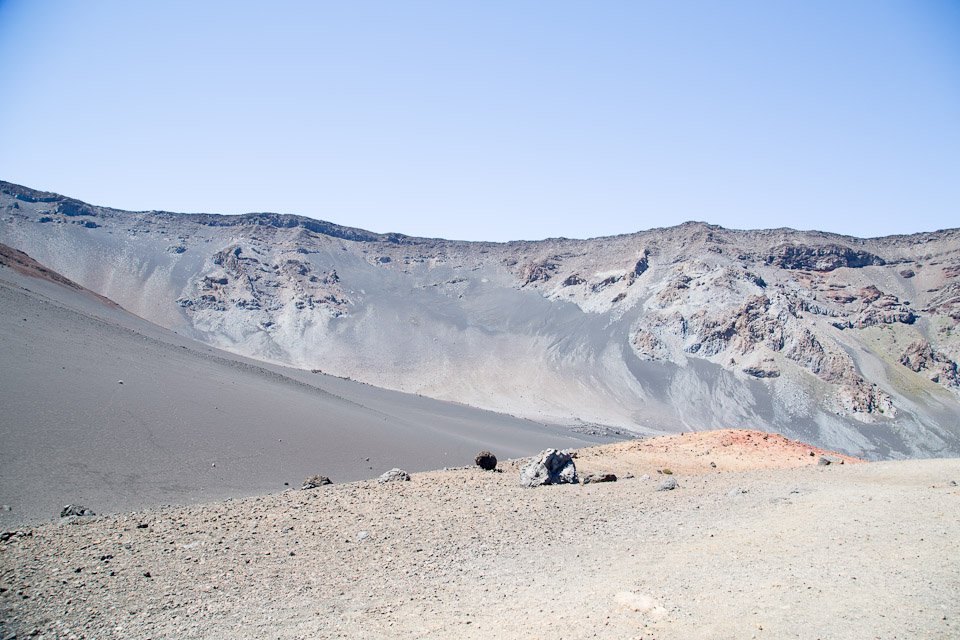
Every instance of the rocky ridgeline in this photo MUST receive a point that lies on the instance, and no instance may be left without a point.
(757, 312)
(838, 331)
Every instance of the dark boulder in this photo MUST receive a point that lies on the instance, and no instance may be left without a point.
(486, 461)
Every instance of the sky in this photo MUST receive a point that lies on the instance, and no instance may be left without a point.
(493, 120)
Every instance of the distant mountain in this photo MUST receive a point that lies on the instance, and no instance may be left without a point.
(845, 342)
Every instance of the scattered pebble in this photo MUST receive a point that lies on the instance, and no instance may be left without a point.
(315, 481)
(599, 477)
(75, 510)
(668, 485)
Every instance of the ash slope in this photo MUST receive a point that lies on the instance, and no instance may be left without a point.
(190, 422)
(849, 343)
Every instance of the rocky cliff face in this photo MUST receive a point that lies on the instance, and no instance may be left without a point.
(850, 343)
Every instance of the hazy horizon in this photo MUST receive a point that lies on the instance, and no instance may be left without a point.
(507, 241)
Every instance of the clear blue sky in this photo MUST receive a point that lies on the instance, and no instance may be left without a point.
(493, 120)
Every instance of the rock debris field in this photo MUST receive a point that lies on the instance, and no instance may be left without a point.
(758, 540)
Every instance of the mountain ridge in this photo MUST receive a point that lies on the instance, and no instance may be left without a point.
(237, 219)
(846, 342)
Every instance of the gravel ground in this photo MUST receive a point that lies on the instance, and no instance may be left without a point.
(839, 551)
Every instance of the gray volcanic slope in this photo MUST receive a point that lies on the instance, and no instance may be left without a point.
(844, 342)
(189, 422)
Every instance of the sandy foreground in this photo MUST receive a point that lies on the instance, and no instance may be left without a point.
(765, 544)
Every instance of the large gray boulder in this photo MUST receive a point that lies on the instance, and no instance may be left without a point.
(550, 467)
(394, 475)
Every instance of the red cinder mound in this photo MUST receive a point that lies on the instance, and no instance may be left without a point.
(706, 452)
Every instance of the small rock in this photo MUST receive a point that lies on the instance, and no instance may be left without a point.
(645, 476)
(146, 574)
(952, 483)
(634, 601)
(641, 604)
(119, 381)
(6, 507)
(486, 461)
(599, 477)
(315, 481)
(550, 467)
(75, 510)
(713, 465)
(363, 535)
(825, 461)
(668, 485)
(666, 472)
(736, 491)
(394, 475)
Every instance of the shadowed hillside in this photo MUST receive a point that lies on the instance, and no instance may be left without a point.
(106, 409)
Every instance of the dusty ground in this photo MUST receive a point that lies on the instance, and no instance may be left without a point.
(843, 551)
